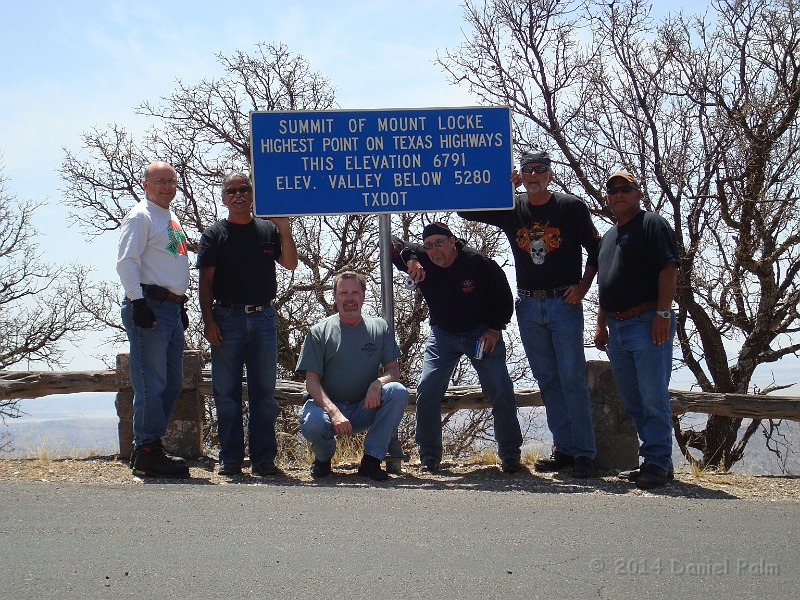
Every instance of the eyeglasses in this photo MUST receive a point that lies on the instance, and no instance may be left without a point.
(437, 243)
(242, 189)
(620, 189)
(535, 168)
(164, 182)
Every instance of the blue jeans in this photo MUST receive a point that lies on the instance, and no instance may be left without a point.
(156, 363)
(442, 353)
(248, 340)
(552, 335)
(641, 371)
(381, 421)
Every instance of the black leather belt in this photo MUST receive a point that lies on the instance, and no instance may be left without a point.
(543, 294)
(248, 308)
(156, 292)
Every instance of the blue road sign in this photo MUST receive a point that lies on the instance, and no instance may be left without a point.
(381, 161)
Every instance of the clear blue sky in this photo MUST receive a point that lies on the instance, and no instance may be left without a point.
(72, 65)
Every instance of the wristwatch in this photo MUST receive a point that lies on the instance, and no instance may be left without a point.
(664, 313)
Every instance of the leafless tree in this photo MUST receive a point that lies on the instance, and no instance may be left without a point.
(38, 312)
(705, 110)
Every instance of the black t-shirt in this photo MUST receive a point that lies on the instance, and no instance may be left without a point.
(472, 291)
(631, 258)
(244, 259)
(546, 240)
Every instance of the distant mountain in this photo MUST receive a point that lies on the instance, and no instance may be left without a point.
(71, 437)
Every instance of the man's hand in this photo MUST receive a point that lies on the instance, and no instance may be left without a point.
(491, 337)
(575, 293)
(143, 315)
(212, 333)
(341, 425)
(415, 270)
(373, 397)
(516, 178)
(660, 330)
(601, 338)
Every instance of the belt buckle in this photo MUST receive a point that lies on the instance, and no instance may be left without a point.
(251, 308)
(539, 294)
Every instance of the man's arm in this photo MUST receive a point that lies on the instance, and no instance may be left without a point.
(404, 257)
(601, 332)
(288, 256)
(391, 372)
(667, 283)
(206, 293)
(341, 425)
(132, 242)
(575, 293)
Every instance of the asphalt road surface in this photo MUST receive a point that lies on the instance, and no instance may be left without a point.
(177, 540)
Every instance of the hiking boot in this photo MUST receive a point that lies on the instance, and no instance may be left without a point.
(371, 467)
(650, 476)
(512, 465)
(320, 468)
(177, 459)
(583, 467)
(556, 462)
(265, 469)
(633, 474)
(430, 465)
(230, 468)
(152, 461)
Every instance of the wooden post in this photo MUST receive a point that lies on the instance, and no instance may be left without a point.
(184, 435)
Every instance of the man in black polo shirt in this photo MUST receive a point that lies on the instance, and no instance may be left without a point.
(470, 303)
(237, 259)
(638, 264)
(547, 231)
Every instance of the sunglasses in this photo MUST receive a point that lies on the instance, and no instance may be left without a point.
(437, 243)
(620, 189)
(535, 168)
(242, 189)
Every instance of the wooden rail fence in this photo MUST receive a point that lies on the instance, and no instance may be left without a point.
(616, 435)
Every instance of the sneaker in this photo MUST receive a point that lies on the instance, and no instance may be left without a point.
(152, 461)
(230, 468)
(583, 467)
(320, 468)
(371, 467)
(650, 476)
(633, 474)
(556, 462)
(430, 465)
(265, 469)
(512, 465)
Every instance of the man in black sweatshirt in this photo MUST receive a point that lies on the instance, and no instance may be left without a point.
(470, 303)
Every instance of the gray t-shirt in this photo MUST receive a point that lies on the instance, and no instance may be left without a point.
(347, 358)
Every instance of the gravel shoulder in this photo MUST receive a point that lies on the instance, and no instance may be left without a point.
(108, 470)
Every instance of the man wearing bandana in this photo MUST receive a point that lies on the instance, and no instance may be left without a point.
(470, 303)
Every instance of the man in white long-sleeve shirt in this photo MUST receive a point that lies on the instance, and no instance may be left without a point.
(154, 269)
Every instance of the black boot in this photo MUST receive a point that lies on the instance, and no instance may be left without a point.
(152, 461)
(371, 467)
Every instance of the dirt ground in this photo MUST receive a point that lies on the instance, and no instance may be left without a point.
(108, 470)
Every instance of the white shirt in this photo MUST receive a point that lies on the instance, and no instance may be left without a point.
(152, 251)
